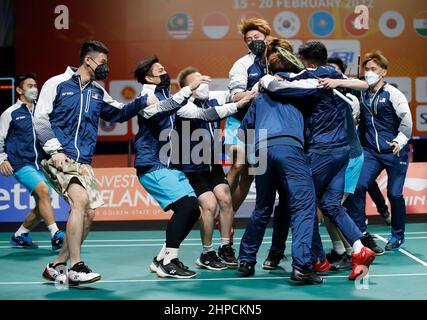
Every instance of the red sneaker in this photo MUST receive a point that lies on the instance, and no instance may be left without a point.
(322, 266)
(360, 263)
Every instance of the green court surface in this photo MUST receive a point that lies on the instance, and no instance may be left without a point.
(123, 259)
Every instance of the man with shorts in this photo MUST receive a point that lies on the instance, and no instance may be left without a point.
(66, 122)
(20, 155)
(208, 178)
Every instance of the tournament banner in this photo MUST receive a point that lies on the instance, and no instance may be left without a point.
(204, 34)
(126, 200)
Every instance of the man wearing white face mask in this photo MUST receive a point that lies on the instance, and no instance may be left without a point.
(20, 155)
(207, 178)
(385, 128)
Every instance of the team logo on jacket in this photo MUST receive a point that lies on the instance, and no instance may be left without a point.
(391, 24)
(180, 25)
(95, 95)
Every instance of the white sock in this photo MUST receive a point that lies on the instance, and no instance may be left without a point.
(161, 254)
(53, 228)
(170, 254)
(349, 251)
(225, 241)
(357, 246)
(21, 230)
(338, 247)
(207, 249)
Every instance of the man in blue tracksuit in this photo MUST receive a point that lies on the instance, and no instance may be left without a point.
(20, 155)
(201, 145)
(287, 168)
(327, 148)
(385, 128)
(66, 122)
(156, 149)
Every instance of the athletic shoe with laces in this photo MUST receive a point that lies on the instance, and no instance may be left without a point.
(343, 264)
(174, 269)
(211, 261)
(82, 274)
(322, 266)
(23, 241)
(307, 276)
(387, 217)
(273, 260)
(57, 240)
(56, 272)
(368, 241)
(226, 253)
(394, 243)
(360, 263)
(246, 269)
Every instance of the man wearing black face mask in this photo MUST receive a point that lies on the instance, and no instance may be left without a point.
(66, 122)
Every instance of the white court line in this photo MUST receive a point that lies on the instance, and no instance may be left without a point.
(219, 279)
(406, 253)
(161, 243)
(195, 239)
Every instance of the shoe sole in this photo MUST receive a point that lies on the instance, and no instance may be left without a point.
(265, 267)
(244, 274)
(305, 282)
(153, 267)
(232, 265)
(162, 274)
(19, 246)
(200, 264)
(47, 277)
(367, 264)
(74, 283)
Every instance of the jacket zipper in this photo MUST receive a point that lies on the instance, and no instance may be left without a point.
(88, 101)
(34, 139)
(372, 118)
(80, 119)
(170, 133)
(212, 134)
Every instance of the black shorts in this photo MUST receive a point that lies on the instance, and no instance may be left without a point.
(207, 181)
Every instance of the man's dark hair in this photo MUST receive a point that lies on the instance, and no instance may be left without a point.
(19, 80)
(314, 52)
(339, 62)
(92, 46)
(144, 68)
(183, 74)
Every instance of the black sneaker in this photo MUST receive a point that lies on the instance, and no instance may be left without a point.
(246, 269)
(210, 261)
(387, 217)
(343, 264)
(226, 253)
(333, 256)
(368, 241)
(273, 260)
(23, 241)
(305, 276)
(174, 269)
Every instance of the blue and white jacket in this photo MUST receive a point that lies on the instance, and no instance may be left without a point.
(160, 131)
(18, 143)
(67, 115)
(283, 122)
(244, 75)
(326, 125)
(388, 118)
(201, 134)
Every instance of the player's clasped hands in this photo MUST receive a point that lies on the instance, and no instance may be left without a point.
(60, 160)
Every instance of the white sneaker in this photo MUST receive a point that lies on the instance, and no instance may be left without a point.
(56, 273)
(81, 274)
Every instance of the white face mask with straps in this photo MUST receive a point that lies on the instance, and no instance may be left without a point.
(31, 94)
(372, 78)
(202, 92)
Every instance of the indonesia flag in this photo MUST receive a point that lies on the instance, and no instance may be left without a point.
(420, 23)
(216, 25)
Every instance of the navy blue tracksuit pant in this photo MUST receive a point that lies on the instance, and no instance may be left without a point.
(328, 170)
(396, 168)
(288, 169)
